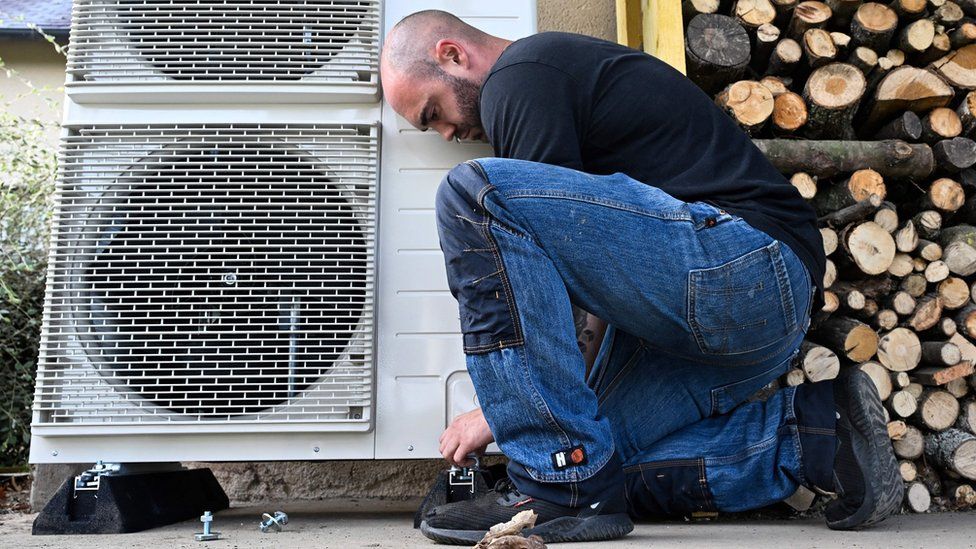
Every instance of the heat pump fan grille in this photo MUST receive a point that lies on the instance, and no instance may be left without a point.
(212, 273)
(313, 41)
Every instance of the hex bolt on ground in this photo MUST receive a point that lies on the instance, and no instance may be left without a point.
(273, 523)
(207, 535)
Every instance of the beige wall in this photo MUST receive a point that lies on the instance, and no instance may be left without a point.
(592, 17)
(36, 62)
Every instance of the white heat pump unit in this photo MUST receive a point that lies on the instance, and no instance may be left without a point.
(244, 263)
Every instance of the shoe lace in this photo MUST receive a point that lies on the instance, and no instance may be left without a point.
(506, 489)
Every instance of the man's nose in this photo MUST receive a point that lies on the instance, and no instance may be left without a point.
(447, 131)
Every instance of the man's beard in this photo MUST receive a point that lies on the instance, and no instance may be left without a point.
(467, 94)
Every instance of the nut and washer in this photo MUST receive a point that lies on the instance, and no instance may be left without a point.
(207, 535)
(273, 523)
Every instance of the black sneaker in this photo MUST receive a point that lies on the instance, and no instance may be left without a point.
(866, 477)
(466, 522)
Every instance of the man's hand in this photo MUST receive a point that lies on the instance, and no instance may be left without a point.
(468, 433)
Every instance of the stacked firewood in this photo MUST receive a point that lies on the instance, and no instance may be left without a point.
(869, 108)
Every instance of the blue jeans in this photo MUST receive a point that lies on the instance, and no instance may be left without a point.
(703, 310)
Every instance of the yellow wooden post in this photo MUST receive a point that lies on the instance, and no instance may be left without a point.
(629, 24)
(656, 24)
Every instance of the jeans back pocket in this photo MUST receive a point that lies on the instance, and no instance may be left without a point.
(741, 306)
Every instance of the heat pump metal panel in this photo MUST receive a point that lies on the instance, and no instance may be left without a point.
(311, 50)
(211, 274)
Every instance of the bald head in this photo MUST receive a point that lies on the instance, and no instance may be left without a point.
(432, 68)
(410, 45)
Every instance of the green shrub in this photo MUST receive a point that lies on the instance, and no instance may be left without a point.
(27, 170)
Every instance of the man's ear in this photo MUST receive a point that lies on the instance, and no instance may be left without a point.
(450, 55)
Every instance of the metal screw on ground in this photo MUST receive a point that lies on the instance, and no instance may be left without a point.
(273, 523)
(207, 535)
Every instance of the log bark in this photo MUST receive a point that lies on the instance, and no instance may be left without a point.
(786, 55)
(967, 417)
(938, 353)
(856, 340)
(958, 68)
(892, 159)
(866, 60)
(954, 450)
(832, 93)
(717, 51)
(806, 16)
(842, 11)
(928, 224)
(819, 48)
(966, 321)
(873, 26)
(917, 37)
(954, 155)
(941, 123)
(967, 115)
(904, 88)
(944, 375)
(963, 35)
(766, 38)
(907, 127)
(855, 212)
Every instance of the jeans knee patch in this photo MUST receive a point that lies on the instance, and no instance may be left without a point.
(671, 489)
(475, 271)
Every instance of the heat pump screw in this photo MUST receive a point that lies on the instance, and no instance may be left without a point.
(273, 523)
(207, 535)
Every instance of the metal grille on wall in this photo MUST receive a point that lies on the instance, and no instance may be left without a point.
(308, 41)
(217, 272)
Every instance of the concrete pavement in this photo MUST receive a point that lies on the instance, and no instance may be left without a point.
(323, 525)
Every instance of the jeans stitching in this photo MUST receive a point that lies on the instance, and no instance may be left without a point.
(747, 453)
(703, 483)
(661, 464)
(596, 201)
(790, 422)
(628, 366)
(694, 279)
(502, 276)
(783, 279)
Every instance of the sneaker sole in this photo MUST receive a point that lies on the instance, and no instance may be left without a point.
(560, 530)
(883, 486)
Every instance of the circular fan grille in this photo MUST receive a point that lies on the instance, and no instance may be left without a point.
(241, 39)
(225, 280)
